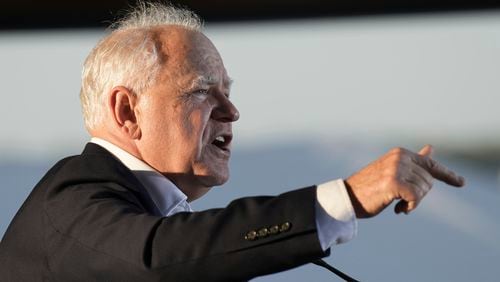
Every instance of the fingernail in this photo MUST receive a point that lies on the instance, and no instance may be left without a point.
(461, 179)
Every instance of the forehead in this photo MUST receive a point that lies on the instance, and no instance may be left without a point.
(190, 57)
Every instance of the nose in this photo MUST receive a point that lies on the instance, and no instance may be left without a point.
(225, 111)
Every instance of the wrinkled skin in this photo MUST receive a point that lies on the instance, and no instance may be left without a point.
(398, 175)
(173, 125)
(181, 116)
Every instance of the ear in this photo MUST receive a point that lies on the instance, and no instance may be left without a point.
(123, 104)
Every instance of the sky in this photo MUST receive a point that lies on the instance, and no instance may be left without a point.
(431, 77)
(318, 100)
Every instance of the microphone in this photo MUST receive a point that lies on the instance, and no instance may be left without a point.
(337, 272)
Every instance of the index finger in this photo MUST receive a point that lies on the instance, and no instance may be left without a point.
(439, 171)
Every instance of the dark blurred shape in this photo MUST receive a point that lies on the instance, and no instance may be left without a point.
(28, 14)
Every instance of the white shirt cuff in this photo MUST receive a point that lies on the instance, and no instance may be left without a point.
(335, 217)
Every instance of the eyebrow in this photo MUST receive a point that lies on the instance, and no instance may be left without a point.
(207, 80)
(229, 82)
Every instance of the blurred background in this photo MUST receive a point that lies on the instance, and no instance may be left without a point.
(323, 89)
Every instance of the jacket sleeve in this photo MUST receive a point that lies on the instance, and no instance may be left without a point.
(101, 231)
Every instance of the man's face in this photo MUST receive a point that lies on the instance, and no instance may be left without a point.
(185, 119)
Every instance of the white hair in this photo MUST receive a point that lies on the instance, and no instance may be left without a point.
(129, 56)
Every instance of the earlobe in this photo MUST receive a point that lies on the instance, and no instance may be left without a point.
(123, 102)
(134, 131)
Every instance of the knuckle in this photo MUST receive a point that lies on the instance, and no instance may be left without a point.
(413, 205)
(395, 160)
(414, 197)
(414, 192)
(396, 151)
(432, 164)
(420, 194)
(405, 159)
(452, 174)
(428, 184)
(425, 191)
(399, 155)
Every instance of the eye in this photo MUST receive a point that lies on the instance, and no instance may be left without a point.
(200, 92)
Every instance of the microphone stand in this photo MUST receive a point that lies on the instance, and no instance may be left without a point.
(339, 273)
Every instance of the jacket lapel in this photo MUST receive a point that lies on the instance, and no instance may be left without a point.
(113, 169)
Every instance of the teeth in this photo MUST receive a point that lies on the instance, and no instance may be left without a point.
(220, 139)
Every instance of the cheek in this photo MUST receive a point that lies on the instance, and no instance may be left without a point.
(195, 122)
(159, 130)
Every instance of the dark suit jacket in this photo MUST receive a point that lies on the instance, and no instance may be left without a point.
(89, 219)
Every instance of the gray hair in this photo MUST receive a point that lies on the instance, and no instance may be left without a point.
(129, 56)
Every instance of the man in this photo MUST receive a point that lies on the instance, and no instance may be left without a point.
(155, 98)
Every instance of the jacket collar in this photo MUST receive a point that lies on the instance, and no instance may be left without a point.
(117, 172)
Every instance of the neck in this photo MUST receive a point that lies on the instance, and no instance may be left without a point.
(123, 143)
(193, 191)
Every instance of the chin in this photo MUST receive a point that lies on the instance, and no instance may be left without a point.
(210, 178)
(214, 180)
(211, 174)
(206, 182)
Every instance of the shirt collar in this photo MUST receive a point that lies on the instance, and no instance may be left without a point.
(168, 198)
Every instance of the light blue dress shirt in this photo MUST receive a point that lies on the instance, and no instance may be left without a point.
(335, 218)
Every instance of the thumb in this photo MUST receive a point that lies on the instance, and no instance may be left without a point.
(426, 151)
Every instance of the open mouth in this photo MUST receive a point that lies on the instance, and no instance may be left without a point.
(223, 142)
